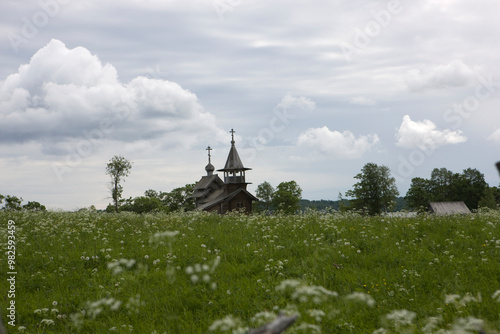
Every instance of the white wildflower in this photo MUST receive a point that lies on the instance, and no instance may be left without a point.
(317, 314)
(262, 318)
(308, 328)
(469, 324)
(361, 297)
(314, 293)
(451, 298)
(431, 324)
(226, 324)
(47, 322)
(462, 302)
(134, 304)
(117, 266)
(496, 296)
(401, 318)
(160, 235)
(287, 284)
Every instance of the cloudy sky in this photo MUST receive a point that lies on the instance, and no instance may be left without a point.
(313, 89)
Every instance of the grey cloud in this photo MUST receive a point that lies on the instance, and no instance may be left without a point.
(63, 94)
(454, 74)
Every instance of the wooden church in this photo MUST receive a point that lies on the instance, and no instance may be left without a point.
(214, 195)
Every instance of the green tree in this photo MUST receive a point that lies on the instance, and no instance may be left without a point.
(287, 197)
(34, 206)
(488, 200)
(152, 193)
(472, 187)
(376, 189)
(418, 196)
(343, 204)
(179, 198)
(117, 168)
(444, 185)
(441, 185)
(144, 204)
(13, 203)
(265, 193)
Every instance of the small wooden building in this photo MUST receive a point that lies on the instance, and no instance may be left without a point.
(448, 208)
(214, 195)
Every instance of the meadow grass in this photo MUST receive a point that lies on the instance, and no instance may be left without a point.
(89, 272)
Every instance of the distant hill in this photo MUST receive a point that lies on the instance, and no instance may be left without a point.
(329, 204)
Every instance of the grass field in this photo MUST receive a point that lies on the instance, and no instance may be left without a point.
(87, 272)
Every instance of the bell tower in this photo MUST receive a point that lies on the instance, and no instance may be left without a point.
(234, 171)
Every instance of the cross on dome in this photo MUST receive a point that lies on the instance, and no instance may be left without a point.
(209, 156)
(232, 136)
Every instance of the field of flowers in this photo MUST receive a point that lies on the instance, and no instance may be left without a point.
(87, 272)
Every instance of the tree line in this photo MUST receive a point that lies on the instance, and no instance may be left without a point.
(14, 203)
(444, 185)
(375, 192)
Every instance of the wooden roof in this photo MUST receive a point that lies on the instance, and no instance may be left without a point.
(219, 196)
(206, 185)
(233, 162)
(449, 208)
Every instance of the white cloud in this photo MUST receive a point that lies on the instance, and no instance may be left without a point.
(495, 137)
(362, 101)
(289, 102)
(424, 135)
(63, 94)
(454, 74)
(334, 143)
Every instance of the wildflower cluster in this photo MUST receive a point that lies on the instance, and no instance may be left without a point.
(118, 266)
(201, 272)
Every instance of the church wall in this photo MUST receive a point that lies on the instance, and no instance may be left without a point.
(239, 202)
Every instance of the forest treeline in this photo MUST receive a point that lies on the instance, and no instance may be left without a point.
(375, 192)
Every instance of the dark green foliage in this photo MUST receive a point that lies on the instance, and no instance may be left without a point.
(444, 185)
(117, 168)
(342, 204)
(141, 204)
(375, 191)
(287, 197)
(489, 199)
(418, 196)
(13, 203)
(154, 201)
(265, 193)
(179, 198)
(34, 206)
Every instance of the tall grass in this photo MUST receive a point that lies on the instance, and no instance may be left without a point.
(87, 272)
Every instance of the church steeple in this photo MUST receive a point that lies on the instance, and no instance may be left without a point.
(234, 171)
